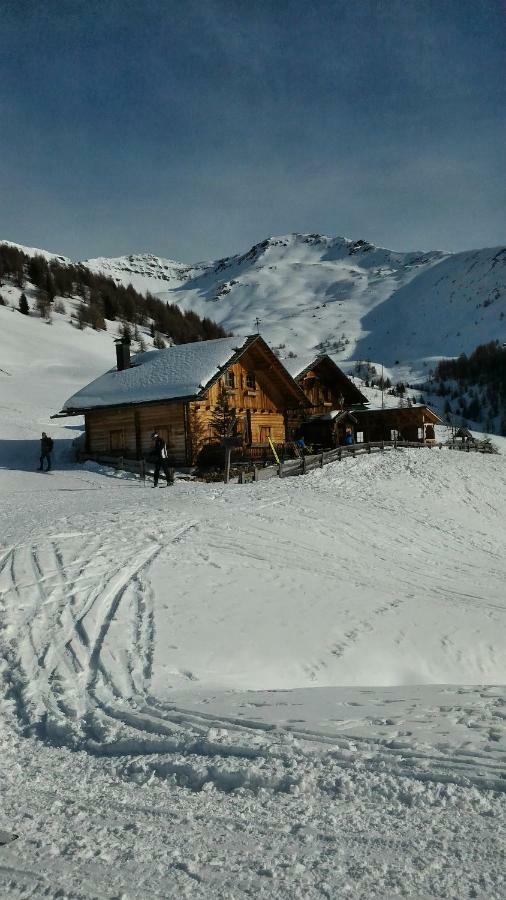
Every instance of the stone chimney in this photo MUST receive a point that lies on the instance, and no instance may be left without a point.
(122, 353)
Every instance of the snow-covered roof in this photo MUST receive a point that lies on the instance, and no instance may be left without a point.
(179, 371)
(297, 364)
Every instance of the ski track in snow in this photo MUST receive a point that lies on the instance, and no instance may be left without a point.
(108, 638)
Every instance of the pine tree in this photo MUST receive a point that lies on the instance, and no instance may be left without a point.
(223, 417)
(23, 305)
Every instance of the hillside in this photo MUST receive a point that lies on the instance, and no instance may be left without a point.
(349, 298)
(311, 292)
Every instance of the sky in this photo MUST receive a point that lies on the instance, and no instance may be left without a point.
(194, 129)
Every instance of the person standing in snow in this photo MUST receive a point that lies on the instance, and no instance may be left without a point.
(348, 438)
(46, 448)
(160, 457)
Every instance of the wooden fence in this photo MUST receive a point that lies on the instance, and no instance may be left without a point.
(298, 466)
(318, 460)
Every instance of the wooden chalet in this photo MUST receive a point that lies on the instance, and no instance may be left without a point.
(176, 391)
(324, 384)
(403, 423)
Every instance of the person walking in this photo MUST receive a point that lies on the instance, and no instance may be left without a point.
(161, 460)
(46, 448)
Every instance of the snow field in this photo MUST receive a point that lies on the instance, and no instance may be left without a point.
(226, 691)
(195, 643)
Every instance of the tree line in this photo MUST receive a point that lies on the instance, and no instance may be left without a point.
(101, 298)
(475, 385)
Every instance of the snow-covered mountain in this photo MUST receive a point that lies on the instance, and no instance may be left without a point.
(307, 292)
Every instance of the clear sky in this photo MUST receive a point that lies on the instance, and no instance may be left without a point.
(194, 129)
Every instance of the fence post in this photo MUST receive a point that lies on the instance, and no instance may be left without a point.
(368, 448)
(255, 473)
(142, 471)
(121, 463)
(228, 452)
(339, 454)
(321, 461)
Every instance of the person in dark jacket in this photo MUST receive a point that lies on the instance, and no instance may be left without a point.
(348, 438)
(46, 448)
(161, 460)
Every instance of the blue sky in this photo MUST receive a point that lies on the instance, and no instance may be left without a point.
(193, 130)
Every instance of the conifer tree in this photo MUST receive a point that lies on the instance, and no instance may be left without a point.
(23, 305)
(223, 418)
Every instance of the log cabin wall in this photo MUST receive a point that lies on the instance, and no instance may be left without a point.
(408, 423)
(127, 431)
(111, 431)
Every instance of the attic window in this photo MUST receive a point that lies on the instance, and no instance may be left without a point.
(251, 381)
(229, 379)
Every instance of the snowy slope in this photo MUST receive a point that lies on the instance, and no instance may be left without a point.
(287, 689)
(195, 647)
(347, 297)
(40, 365)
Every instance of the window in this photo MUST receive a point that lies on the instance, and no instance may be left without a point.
(421, 433)
(229, 379)
(265, 433)
(360, 437)
(251, 381)
(394, 434)
(116, 439)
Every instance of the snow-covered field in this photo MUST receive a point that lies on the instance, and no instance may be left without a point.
(218, 691)
(289, 689)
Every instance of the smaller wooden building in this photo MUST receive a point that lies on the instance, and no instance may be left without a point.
(176, 392)
(403, 423)
(325, 385)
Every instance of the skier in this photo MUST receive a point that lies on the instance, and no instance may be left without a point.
(46, 448)
(160, 457)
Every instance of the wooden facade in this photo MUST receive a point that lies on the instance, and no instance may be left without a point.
(260, 392)
(405, 423)
(327, 387)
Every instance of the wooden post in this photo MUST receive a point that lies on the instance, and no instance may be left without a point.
(228, 452)
(138, 447)
(255, 473)
(142, 470)
(303, 464)
(321, 460)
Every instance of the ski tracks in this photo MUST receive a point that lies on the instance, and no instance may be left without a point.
(58, 600)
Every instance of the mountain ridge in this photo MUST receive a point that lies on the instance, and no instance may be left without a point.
(309, 293)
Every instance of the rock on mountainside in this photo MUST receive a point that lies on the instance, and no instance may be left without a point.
(350, 298)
